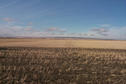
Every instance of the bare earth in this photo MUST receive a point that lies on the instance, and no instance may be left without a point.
(111, 44)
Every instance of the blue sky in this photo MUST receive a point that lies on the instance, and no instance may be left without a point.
(78, 18)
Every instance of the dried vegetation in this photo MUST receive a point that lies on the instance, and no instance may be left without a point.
(62, 66)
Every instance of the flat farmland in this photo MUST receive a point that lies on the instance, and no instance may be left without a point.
(80, 43)
(62, 61)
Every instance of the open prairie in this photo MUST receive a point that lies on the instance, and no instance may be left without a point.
(81, 43)
(53, 61)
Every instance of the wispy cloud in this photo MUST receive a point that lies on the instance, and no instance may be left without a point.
(110, 32)
(100, 31)
(13, 30)
(54, 29)
(9, 4)
(7, 19)
(117, 33)
(30, 23)
(104, 25)
(28, 31)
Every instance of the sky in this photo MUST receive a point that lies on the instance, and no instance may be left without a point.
(105, 19)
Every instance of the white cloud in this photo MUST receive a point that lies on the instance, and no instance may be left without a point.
(30, 23)
(55, 29)
(9, 4)
(109, 32)
(104, 25)
(100, 30)
(117, 33)
(96, 32)
(27, 31)
(7, 19)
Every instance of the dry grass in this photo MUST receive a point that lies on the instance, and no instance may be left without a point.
(63, 43)
(62, 66)
(67, 61)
